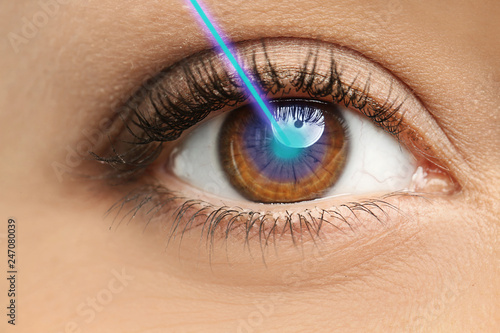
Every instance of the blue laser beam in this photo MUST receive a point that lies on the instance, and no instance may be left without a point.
(250, 87)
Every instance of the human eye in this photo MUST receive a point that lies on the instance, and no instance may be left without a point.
(238, 156)
(377, 153)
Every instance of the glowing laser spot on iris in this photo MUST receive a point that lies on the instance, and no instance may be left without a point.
(285, 152)
(285, 138)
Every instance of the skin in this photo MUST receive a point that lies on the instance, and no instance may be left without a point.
(436, 272)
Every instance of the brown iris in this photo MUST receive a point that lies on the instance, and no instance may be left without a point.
(263, 169)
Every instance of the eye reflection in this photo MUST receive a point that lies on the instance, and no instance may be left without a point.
(263, 169)
(303, 123)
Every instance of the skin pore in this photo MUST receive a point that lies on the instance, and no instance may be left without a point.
(434, 271)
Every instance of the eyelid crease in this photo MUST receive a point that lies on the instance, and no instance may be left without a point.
(187, 92)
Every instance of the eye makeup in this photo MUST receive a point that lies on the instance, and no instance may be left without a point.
(184, 94)
(181, 96)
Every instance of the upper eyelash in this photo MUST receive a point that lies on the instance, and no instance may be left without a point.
(173, 113)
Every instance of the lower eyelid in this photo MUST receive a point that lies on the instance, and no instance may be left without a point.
(198, 200)
(350, 234)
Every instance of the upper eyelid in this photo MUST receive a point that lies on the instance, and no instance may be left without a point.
(205, 69)
(360, 74)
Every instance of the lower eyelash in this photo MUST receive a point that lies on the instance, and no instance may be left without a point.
(157, 204)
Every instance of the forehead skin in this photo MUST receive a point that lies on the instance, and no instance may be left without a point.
(88, 55)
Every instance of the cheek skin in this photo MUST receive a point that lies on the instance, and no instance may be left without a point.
(389, 287)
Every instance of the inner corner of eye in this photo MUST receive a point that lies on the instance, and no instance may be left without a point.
(334, 151)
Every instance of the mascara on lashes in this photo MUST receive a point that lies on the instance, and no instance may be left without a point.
(185, 93)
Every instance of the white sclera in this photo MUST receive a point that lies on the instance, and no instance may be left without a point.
(375, 160)
(196, 160)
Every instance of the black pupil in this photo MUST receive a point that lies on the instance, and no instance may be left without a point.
(298, 123)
